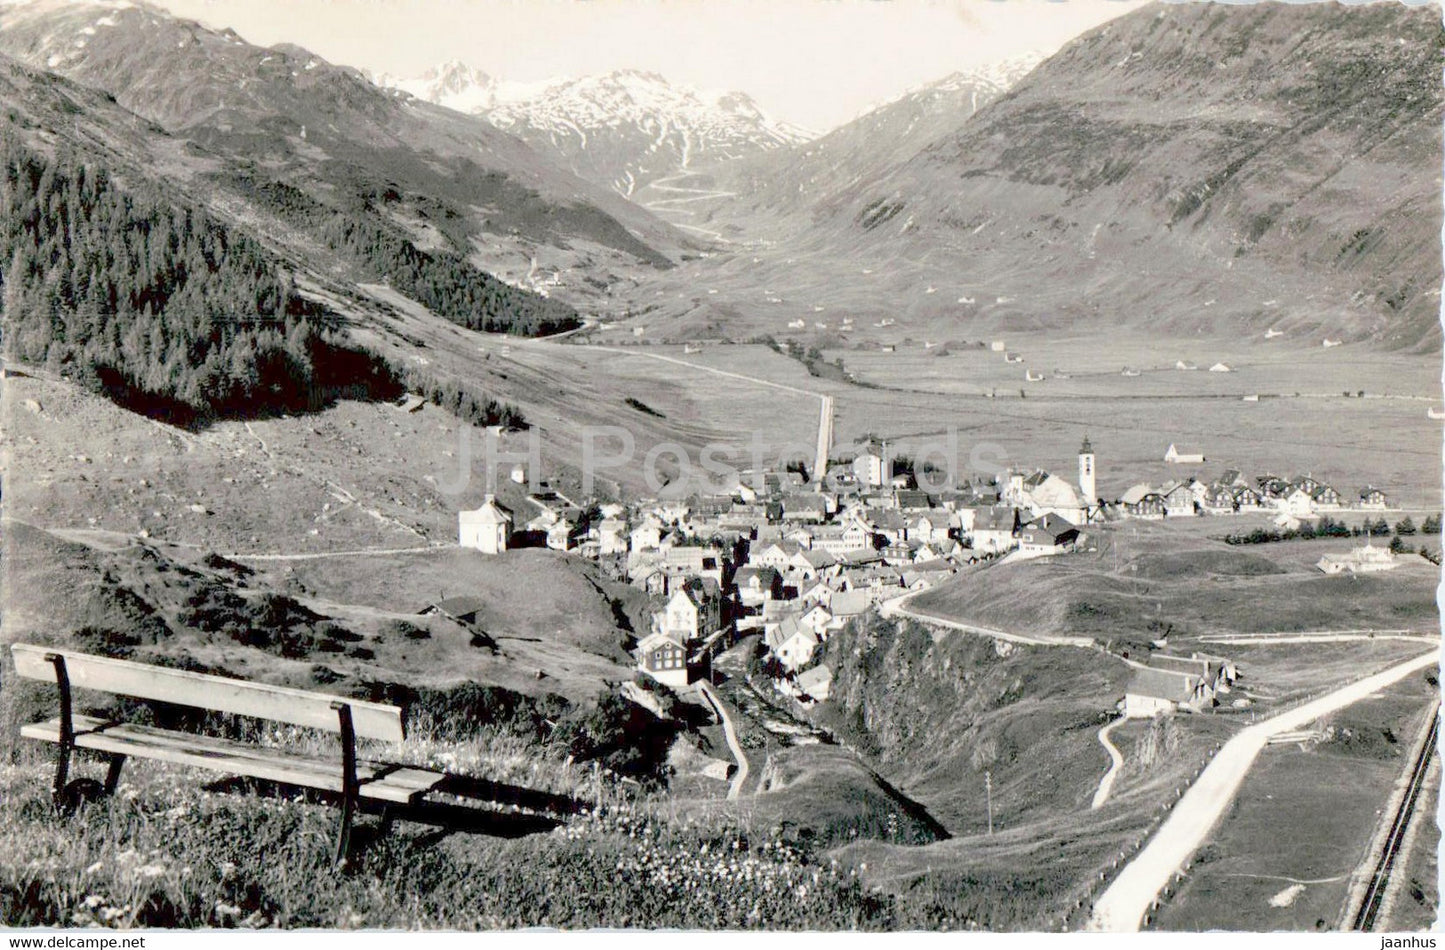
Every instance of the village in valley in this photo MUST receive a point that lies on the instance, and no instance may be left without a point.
(779, 563)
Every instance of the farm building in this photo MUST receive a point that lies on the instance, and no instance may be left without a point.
(1172, 683)
(1364, 560)
(1174, 456)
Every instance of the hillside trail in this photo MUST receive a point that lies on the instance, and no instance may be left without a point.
(741, 776)
(332, 488)
(1123, 905)
(1106, 784)
(825, 401)
(893, 608)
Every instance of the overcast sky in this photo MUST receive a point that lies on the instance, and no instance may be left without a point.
(813, 62)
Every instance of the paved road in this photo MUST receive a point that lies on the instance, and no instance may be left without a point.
(1319, 636)
(731, 735)
(1123, 905)
(1106, 784)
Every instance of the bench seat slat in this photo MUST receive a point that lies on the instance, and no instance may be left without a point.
(378, 781)
(204, 691)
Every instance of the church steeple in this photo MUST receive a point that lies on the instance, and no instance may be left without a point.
(1086, 473)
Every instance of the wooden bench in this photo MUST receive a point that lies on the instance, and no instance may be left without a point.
(355, 781)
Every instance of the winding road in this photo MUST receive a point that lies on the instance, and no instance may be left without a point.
(1122, 907)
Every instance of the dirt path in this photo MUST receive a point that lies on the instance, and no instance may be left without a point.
(825, 408)
(1106, 784)
(825, 438)
(894, 608)
(1123, 905)
(741, 775)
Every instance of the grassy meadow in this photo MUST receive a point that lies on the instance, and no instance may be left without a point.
(1283, 855)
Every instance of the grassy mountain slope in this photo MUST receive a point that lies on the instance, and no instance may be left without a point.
(452, 182)
(1181, 169)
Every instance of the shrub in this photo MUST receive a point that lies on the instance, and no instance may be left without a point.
(406, 629)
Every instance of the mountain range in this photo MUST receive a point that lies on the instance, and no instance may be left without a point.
(1183, 169)
(625, 128)
(262, 119)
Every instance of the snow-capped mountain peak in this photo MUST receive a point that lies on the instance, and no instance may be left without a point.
(622, 128)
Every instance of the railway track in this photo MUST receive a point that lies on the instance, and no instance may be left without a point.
(1374, 897)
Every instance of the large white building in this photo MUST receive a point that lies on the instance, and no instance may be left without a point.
(488, 528)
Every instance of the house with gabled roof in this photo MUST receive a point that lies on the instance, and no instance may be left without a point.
(757, 584)
(1142, 501)
(1272, 487)
(487, 529)
(1047, 535)
(693, 611)
(811, 507)
(1372, 498)
(995, 529)
(873, 466)
(817, 619)
(1178, 498)
(775, 554)
(1151, 692)
(1219, 499)
(818, 591)
(664, 658)
(815, 683)
(792, 643)
(847, 604)
(1246, 498)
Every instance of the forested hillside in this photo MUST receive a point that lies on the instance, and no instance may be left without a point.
(442, 281)
(167, 310)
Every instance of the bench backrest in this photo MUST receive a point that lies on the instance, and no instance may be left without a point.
(202, 691)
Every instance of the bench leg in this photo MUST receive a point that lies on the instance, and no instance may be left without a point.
(62, 775)
(388, 814)
(348, 780)
(67, 732)
(112, 773)
(343, 836)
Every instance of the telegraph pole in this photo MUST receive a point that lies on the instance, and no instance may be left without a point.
(988, 794)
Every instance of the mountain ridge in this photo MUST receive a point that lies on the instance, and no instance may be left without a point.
(283, 114)
(1185, 168)
(623, 128)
